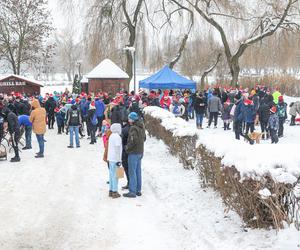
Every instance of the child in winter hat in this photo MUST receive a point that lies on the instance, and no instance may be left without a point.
(273, 125)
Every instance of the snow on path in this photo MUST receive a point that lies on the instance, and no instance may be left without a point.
(61, 202)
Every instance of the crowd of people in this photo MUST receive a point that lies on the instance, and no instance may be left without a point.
(117, 121)
(244, 108)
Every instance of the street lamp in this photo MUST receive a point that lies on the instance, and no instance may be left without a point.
(133, 54)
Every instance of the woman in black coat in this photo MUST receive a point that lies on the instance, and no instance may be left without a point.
(200, 108)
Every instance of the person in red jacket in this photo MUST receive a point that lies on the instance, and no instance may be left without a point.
(165, 102)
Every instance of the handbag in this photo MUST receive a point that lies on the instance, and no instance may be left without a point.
(120, 172)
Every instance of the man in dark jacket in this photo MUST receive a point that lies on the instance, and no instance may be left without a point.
(92, 122)
(200, 107)
(125, 132)
(73, 122)
(264, 114)
(19, 106)
(116, 114)
(14, 131)
(135, 151)
(50, 106)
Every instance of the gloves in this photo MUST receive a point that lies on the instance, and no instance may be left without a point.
(119, 164)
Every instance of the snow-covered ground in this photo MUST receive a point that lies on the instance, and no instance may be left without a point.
(281, 161)
(61, 202)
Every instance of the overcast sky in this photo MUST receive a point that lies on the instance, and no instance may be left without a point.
(57, 15)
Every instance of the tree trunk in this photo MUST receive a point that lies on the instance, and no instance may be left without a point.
(129, 64)
(202, 82)
(206, 72)
(235, 71)
(14, 68)
(179, 54)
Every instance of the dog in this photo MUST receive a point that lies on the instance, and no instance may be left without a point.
(255, 136)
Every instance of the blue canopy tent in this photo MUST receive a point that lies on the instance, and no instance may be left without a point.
(167, 79)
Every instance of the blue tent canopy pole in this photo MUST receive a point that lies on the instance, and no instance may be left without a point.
(167, 79)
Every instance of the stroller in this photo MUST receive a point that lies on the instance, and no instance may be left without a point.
(3, 152)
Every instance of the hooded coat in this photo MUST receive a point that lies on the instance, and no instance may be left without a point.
(114, 153)
(38, 118)
(295, 109)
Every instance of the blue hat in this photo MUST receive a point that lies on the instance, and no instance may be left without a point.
(133, 116)
(73, 102)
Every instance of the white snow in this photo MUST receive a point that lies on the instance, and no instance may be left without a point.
(281, 161)
(61, 202)
(107, 69)
(264, 193)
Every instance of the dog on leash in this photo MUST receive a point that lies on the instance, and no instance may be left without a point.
(255, 136)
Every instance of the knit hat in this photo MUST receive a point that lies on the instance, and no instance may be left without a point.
(273, 109)
(92, 105)
(248, 102)
(133, 116)
(280, 98)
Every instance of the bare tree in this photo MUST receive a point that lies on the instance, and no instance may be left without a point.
(69, 52)
(169, 13)
(24, 25)
(274, 17)
(209, 70)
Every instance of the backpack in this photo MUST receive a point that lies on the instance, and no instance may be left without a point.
(94, 120)
(281, 110)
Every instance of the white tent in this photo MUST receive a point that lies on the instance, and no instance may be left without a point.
(107, 70)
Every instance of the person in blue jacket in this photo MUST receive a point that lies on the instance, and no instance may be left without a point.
(60, 120)
(100, 108)
(25, 123)
(249, 115)
(238, 116)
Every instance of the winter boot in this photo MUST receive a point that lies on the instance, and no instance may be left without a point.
(129, 195)
(228, 128)
(115, 195)
(225, 126)
(15, 159)
(39, 156)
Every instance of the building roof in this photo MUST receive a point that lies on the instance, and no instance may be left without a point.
(22, 78)
(84, 79)
(107, 70)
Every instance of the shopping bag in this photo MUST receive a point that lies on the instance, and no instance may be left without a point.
(120, 172)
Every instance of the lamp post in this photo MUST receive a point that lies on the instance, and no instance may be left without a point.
(78, 81)
(79, 62)
(133, 54)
